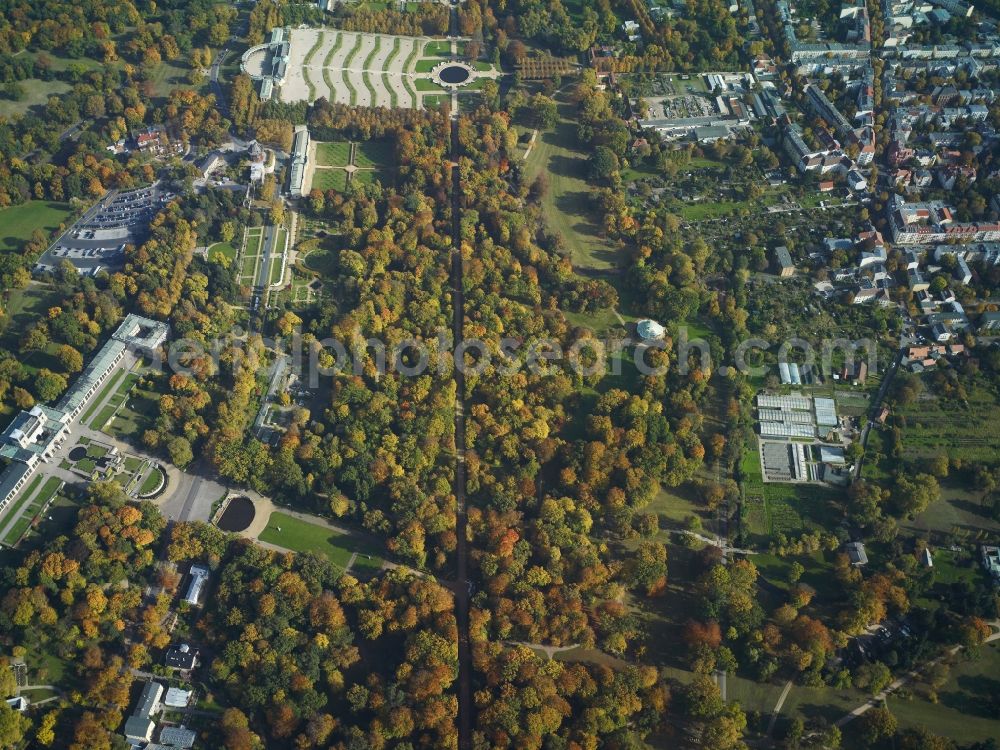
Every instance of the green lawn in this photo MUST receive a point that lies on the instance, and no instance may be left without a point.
(112, 383)
(333, 154)
(303, 536)
(36, 94)
(225, 249)
(374, 154)
(424, 84)
(322, 259)
(120, 395)
(17, 223)
(366, 177)
(425, 66)
(25, 495)
(23, 307)
(566, 203)
(135, 416)
(251, 255)
(169, 75)
(275, 269)
(33, 502)
(329, 179)
(437, 48)
(966, 707)
(151, 482)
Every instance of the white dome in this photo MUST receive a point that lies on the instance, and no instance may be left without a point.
(650, 329)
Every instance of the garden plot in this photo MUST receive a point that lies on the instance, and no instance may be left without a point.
(352, 68)
(340, 163)
(252, 257)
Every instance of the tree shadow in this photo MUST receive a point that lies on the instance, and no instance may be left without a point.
(575, 204)
(976, 696)
(566, 166)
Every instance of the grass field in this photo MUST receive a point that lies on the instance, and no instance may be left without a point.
(251, 258)
(437, 48)
(32, 500)
(366, 177)
(566, 204)
(36, 94)
(374, 154)
(17, 223)
(425, 66)
(333, 154)
(329, 179)
(302, 536)
(112, 383)
(135, 415)
(169, 75)
(22, 308)
(117, 399)
(322, 258)
(151, 482)
(225, 249)
(423, 84)
(966, 707)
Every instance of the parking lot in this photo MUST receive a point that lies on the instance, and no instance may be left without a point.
(97, 240)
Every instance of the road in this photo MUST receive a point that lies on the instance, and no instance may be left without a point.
(463, 584)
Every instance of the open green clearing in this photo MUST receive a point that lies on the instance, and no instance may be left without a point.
(374, 154)
(365, 177)
(432, 101)
(31, 501)
(423, 84)
(225, 249)
(966, 708)
(18, 223)
(333, 154)
(251, 256)
(437, 48)
(151, 482)
(425, 66)
(22, 308)
(117, 399)
(321, 257)
(36, 94)
(302, 536)
(134, 417)
(567, 203)
(329, 179)
(116, 377)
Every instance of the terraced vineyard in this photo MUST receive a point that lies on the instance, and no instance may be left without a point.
(355, 68)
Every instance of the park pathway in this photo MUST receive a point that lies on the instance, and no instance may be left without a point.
(549, 651)
(777, 708)
(900, 681)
